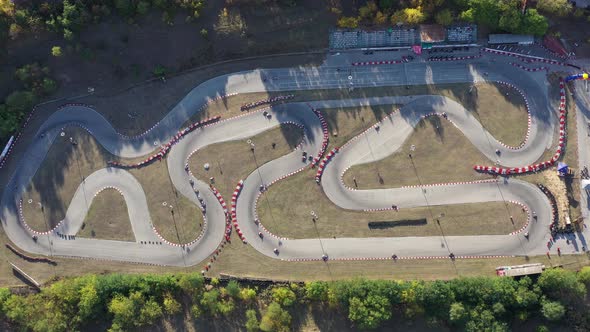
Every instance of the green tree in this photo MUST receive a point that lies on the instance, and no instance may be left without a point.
(436, 298)
(552, 311)
(252, 324)
(149, 313)
(561, 284)
(171, 305)
(444, 17)
(90, 303)
(486, 12)
(275, 319)
(317, 291)
(534, 23)
(387, 4)
(584, 275)
(348, 22)
(56, 51)
(284, 296)
(380, 18)
(233, 289)
(368, 11)
(124, 310)
(9, 121)
(483, 320)
(414, 16)
(457, 313)
(20, 102)
(248, 295)
(143, 7)
(49, 86)
(370, 312)
(210, 301)
(510, 20)
(125, 8)
(191, 283)
(559, 8)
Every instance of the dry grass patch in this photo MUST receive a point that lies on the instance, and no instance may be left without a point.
(233, 161)
(244, 261)
(175, 217)
(107, 218)
(442, 154)
(285, 211)
(62, 171)
(66, 164)
(503, 115)
(502, 111)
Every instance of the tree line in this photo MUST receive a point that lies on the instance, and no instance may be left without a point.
(497, 15)
(35, 82)
(125, 302)
(68, 17)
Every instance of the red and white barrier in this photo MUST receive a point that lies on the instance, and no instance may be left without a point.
(323, 163)
(166, 148)
(249, 106)
(542, 165)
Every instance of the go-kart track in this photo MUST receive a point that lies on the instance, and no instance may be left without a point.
(378, 142)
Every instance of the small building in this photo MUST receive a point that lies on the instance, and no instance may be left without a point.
(509, 39)
(520, 270)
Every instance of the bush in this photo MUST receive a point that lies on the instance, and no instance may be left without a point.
(233, 289)
(444, 17)
(171, 306)
(248, 294)
(252, 323)
(370, 312)
(56, 51)
(284, 296)
(552, 311)
(204, 33)
(160, 71)
(348, 22)
(275, 319)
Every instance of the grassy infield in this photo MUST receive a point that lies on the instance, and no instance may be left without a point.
(437, 153)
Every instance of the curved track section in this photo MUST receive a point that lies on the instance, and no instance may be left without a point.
(378, 144)
(277, 80)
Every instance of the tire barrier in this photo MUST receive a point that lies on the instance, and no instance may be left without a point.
(225, 212)
(454, 58)
(529, 69)
(524, 58)
(529, 118)
(188, 244)
(326, 139)
(323, 163)
(528, 217)
(166, 148)
(542, 165)
(24, 222)
(203, 107)
(554, 225)
(249, 106)
(234, 201)
(396, 257)
(377, 63)
(29, 258)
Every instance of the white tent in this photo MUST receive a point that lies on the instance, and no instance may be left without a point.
(586, 184)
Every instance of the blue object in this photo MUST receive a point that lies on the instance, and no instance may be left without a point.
(562, 167)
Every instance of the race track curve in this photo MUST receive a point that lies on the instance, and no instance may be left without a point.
(394, 131)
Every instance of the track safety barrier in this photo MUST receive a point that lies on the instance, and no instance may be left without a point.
(542, 165)
(252, 105)
(166, 148)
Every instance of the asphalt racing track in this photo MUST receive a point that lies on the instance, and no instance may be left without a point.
(370, 146)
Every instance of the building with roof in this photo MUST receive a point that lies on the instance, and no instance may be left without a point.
(510, 39)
